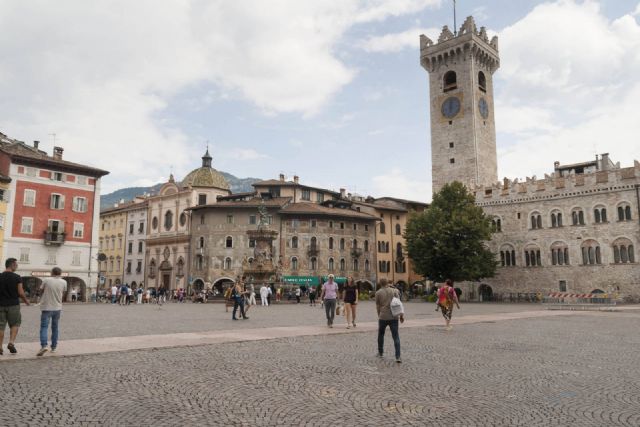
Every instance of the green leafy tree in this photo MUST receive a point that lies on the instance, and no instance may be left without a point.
(448, 239)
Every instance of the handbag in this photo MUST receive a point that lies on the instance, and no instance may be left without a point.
(396, 307)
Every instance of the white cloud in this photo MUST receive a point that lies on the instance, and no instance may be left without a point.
(244, 154)
(100, 74)
(396, 184)
(567, 93)
(396, 42)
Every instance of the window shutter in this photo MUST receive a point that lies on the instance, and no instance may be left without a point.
(53, 203)
(61, 202)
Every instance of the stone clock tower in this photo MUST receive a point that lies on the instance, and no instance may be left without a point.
(463, 133)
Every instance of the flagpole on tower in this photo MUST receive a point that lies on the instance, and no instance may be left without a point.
(455, 25)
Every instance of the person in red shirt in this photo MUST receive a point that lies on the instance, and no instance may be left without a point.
(446, 298)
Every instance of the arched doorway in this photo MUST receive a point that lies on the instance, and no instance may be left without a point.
(221, 284)
(30, 285)
(198, 285)
(76, 290)
(485, 292)
(364, 286)
(165, 274)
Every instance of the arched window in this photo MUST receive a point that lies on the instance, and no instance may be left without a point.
(314, 263)
(154, 223)
(536, 221)
(398, 230)
(199, 262)
(367, 265)
(450, 81)
(591, 252)
(180, 267)
(201, 242)
(366, 246)
(577, 217)
(330, 242)
(507, 256)
(623, 251)
(228, 242)
(482, 81)
(294, 242)
(343, 264)
(313, 243)
(399, 250)
(183, 219)
(356, 264)
(496, 225)
(386, 247)
(383, 229)
(331, 264)
(355, 244)
(294, 263)
(532, 256)
(600, 214)
(227, 263)
(341, 244)
(559, 253)
(624, 212)
(556, 219)
(168, 220)
(152, 268)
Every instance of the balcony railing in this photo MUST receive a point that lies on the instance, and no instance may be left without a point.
(313, 251)
(356, 252)
(55, 238)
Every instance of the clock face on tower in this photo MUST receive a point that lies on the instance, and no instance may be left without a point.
(450, 107)
(483, 107)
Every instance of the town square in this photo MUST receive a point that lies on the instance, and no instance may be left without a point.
(223, 206)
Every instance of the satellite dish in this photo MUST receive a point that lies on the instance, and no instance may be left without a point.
(102, 257)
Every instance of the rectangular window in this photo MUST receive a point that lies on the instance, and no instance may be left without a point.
(295, 223)
(57, 176)
(57, 201)
(80, 204)
(252, 220)
(306, 195)
(342, 226)
(275, 191)
(1, 221)
(366, 227)
(29, 198)
(78, 230)
(252, 243)
(140, 247)
(139, 267)
(452, 161)
(24, 254)
(320, 197)
(27, 225)
(128, 267)
(269, 219)
(229, 219)
(202, 199)
(51, 257)
(141, 228)
(76, 258)
(355, 227)
(563, 286)
(451, 145)
(131, 225)
(2, 195)
(32, 171)
(314, 223)
(130, 248)
(82, 180)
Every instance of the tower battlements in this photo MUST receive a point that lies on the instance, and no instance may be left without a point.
(468, 43)
(557, 184)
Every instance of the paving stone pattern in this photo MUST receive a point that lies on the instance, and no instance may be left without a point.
(578, 371)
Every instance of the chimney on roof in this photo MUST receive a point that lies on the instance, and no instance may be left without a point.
(36, 144)
(57, 153)
(281, 177)
(343, 193)
(296, 179)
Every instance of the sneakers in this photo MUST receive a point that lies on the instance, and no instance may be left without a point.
(245, 318)
(11, 348)
(348, 326)
(42, 351)
(53, 350)
(379, 355)
(354, 324)
(398, 360)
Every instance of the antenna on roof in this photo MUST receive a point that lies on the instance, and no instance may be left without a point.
(54, 138)
(455, 25)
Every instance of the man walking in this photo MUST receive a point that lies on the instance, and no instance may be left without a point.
(124, 294)
(51, 307)
(238, 301)
(11, 293)
(114, 294)
(139, 293)
(386, 318)
(264, 293)
(329, 296)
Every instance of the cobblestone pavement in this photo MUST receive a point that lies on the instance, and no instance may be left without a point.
(578, 370)
(106, 320)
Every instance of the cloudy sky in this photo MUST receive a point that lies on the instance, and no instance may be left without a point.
(329, 90)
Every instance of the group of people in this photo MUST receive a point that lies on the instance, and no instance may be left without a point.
(11, 292)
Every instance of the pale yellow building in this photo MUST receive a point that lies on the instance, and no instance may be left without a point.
(113, 224)
(4, 200)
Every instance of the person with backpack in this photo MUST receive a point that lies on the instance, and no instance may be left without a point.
(124, 294)
(446, 298)
(388, 302)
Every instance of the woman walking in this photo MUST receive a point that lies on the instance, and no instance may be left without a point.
(228, 301)
(446, 298)
(350, 302)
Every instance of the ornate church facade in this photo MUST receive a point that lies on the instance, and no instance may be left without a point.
(577, 230)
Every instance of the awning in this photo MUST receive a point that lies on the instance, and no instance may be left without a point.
(301, 280)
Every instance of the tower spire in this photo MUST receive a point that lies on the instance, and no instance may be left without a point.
(206, 159)
(455, 24)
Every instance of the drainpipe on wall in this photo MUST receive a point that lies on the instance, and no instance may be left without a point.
(638, 200)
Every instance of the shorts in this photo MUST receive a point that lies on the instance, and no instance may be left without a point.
(10, 314)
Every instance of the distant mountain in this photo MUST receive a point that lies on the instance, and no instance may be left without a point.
(238, 185)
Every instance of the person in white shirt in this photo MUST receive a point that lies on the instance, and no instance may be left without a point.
(264, 294)
(114, 294)
(51, 307)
